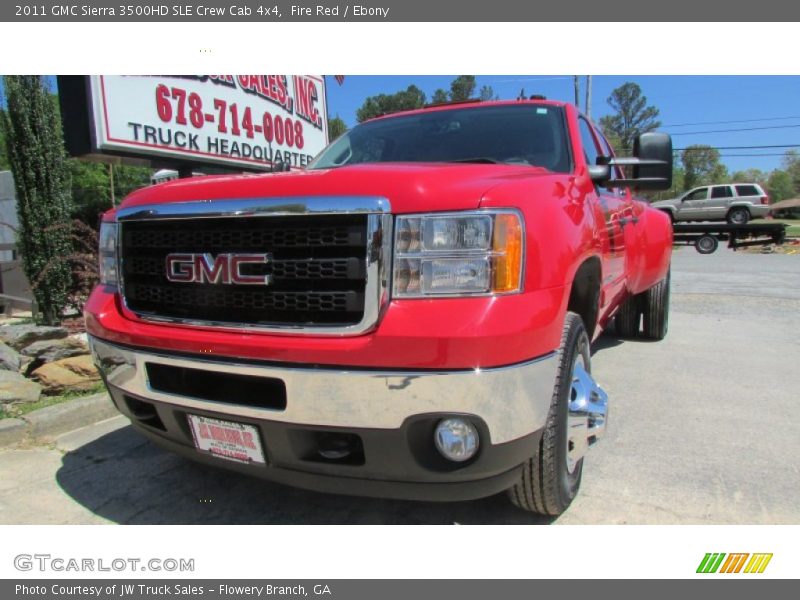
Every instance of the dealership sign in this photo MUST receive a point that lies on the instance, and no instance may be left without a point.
(238, 121)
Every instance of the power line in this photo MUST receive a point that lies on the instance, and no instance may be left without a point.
(734, 130)
(731, 122)
(738, 147)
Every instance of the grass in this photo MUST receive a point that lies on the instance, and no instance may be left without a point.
(24, 409)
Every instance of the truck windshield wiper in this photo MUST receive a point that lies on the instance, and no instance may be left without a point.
(477, 160)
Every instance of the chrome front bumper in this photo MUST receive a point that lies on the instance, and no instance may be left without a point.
(512, 401)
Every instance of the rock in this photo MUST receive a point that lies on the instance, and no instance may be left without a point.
(15, 389)
(46, 351)
(10, 360)
(77, 373)
(19, 336)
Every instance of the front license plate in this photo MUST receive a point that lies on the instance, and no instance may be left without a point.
(228, 440)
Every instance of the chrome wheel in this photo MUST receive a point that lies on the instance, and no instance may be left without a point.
(587, 413)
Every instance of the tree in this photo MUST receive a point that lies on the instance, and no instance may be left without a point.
(678, 175)
(750, 176)
(375, 106)
(91, 187)
(440, 96)
(487, 93)
(4, 164)
(35, 149)
(462, 88)
(791, 164)
(702, 166)
(780, 186)
(632, 115)
(336, 127)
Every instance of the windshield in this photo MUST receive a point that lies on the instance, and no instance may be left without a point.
(525, 134)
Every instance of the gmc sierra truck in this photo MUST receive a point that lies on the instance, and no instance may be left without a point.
(409, 317)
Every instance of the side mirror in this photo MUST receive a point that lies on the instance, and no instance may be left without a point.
(651, 164)
(654, 172)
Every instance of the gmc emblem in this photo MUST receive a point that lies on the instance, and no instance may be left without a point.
(225, 269)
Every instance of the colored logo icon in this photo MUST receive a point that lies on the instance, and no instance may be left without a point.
(742, 562)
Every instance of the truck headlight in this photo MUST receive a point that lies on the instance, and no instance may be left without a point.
(475, 253)
(108, 254)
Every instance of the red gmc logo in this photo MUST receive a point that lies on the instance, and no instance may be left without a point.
(225, 269)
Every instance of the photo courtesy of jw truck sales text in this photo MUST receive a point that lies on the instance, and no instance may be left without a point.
(398, 299)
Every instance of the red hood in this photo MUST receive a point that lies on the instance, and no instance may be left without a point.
(409, 187)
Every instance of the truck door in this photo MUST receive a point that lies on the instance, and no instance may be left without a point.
(693, 205)
(717, 205)
(611, 209)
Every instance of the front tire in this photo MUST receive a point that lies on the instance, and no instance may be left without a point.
(550, 479)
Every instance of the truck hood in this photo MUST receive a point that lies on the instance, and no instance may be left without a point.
(409, 187)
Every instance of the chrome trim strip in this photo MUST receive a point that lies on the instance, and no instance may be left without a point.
(513, 401)
(378, 251)
(256, 207)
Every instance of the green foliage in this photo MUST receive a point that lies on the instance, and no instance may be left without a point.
(791, 164)
(702, 166)
(336, 127)
(462, 87)
(750, 176)
(4, 164)
(780, 186)
(375, 106)
(632, 116)
(440, 96)
(91, 187)
(678, 176)
(35, 149)
(487, 93)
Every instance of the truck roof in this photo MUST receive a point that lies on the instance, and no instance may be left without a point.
(468, 104)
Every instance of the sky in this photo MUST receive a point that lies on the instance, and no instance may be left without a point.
(687, 104)
(766, 109)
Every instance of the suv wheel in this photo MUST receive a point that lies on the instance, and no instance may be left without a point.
(738, 216)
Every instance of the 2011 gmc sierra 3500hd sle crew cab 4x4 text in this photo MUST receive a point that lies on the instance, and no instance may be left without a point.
(409, 317)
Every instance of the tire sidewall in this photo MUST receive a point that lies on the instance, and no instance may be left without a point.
(577, 343)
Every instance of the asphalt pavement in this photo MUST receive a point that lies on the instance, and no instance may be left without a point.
(702, 430)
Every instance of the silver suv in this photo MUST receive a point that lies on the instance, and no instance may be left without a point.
(735, 203)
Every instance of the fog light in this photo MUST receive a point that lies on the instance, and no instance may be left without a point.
(456, 439)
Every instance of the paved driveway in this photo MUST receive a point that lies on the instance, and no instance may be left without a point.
(703, 429)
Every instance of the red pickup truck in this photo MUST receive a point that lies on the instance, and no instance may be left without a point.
(408, 317)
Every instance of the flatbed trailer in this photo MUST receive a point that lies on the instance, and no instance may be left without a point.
(705, 237)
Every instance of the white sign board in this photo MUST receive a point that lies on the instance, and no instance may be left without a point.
(249, 121)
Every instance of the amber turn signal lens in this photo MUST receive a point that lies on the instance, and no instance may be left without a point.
(507, 247)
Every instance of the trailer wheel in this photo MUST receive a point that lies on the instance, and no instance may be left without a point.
(550, 479)
(706, 244)
(628, 317)
(656, 310)
(738, 216)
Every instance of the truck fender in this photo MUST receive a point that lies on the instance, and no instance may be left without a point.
(650, 251)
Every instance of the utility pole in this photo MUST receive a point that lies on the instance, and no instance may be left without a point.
(577, 83)
(589, 96)
(111, 178)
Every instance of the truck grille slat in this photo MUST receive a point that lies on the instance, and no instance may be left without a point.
(317, 269)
